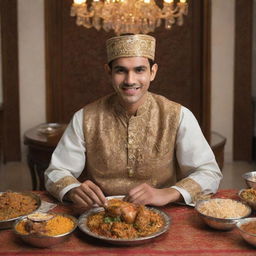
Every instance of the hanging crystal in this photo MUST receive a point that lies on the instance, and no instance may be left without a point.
(128, 16)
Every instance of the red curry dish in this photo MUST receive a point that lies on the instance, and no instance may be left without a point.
(125, 220)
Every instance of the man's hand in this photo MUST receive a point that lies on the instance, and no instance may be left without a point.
(86, 195)
(145, 194)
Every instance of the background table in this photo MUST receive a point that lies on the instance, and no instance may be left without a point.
(40, 149)
(188, 235)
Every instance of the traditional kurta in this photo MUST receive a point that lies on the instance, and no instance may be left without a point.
(162, 145)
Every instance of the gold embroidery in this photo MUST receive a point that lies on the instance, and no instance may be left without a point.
(202, 196)
(131, 46)
(130, 172)
(56, 187)
(193, 188)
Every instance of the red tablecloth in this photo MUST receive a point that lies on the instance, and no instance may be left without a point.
(188, 235)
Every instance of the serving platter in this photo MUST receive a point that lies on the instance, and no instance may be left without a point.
(82, 224)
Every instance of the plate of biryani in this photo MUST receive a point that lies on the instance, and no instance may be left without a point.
(124, 223)
(14, 205)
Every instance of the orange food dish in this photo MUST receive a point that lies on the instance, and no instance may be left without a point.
(125, 220)
(55, 226)
(13, 205)
(249, 227)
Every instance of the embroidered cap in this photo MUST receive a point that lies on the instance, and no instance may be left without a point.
(131, 46)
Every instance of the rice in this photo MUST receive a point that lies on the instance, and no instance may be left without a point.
(56, 226)
(59, 225)
(223, 208)
(13, 205)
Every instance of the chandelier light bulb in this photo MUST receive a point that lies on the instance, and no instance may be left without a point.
(128, 16)
(79, 1)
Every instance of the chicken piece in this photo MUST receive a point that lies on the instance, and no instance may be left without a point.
(113, 208)
(143, 218)
(28, 226)
(128, 213)
(118, 208)
(38, 228)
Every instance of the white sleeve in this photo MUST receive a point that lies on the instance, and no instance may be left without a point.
(195, 157)
(68, 159)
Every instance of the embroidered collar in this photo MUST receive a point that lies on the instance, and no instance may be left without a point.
(120, 110)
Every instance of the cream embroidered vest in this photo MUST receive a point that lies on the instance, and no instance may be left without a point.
(123, 152)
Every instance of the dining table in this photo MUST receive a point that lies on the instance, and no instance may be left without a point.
(187, 235)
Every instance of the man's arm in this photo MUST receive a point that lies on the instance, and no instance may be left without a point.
(68, 159)
(198, 170)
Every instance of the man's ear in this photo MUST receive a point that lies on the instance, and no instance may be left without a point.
(153, 72)
(107, 69)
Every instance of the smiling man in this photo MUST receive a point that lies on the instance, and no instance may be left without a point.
(131, 77)
(132, 142)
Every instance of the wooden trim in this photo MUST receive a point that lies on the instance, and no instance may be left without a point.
(1, 132)
(243, 109)
(53, 43)
(10, 79)
(206, 75)
(202, 16)
(254, 148)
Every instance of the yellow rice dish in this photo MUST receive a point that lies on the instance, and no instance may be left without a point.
(58, 225)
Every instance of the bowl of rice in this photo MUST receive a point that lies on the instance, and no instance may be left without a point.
(45, 229)
(222, 214)
(250, 179)
(247, 230)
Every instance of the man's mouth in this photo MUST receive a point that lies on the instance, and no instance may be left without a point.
(130, 90)
(130, 87)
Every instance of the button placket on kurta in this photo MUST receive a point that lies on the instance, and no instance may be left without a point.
(131, 147)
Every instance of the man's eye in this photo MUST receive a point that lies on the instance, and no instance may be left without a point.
(140, 70)
(119, 71)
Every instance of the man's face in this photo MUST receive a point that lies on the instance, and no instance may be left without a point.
(131, 77)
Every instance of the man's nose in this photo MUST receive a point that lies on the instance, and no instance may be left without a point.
(130, 78)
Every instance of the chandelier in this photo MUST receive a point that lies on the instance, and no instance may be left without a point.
(128, 16)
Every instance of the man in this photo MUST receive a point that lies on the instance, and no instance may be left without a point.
(132, 142)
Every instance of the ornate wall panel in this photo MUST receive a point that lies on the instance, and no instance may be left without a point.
(76, 56)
